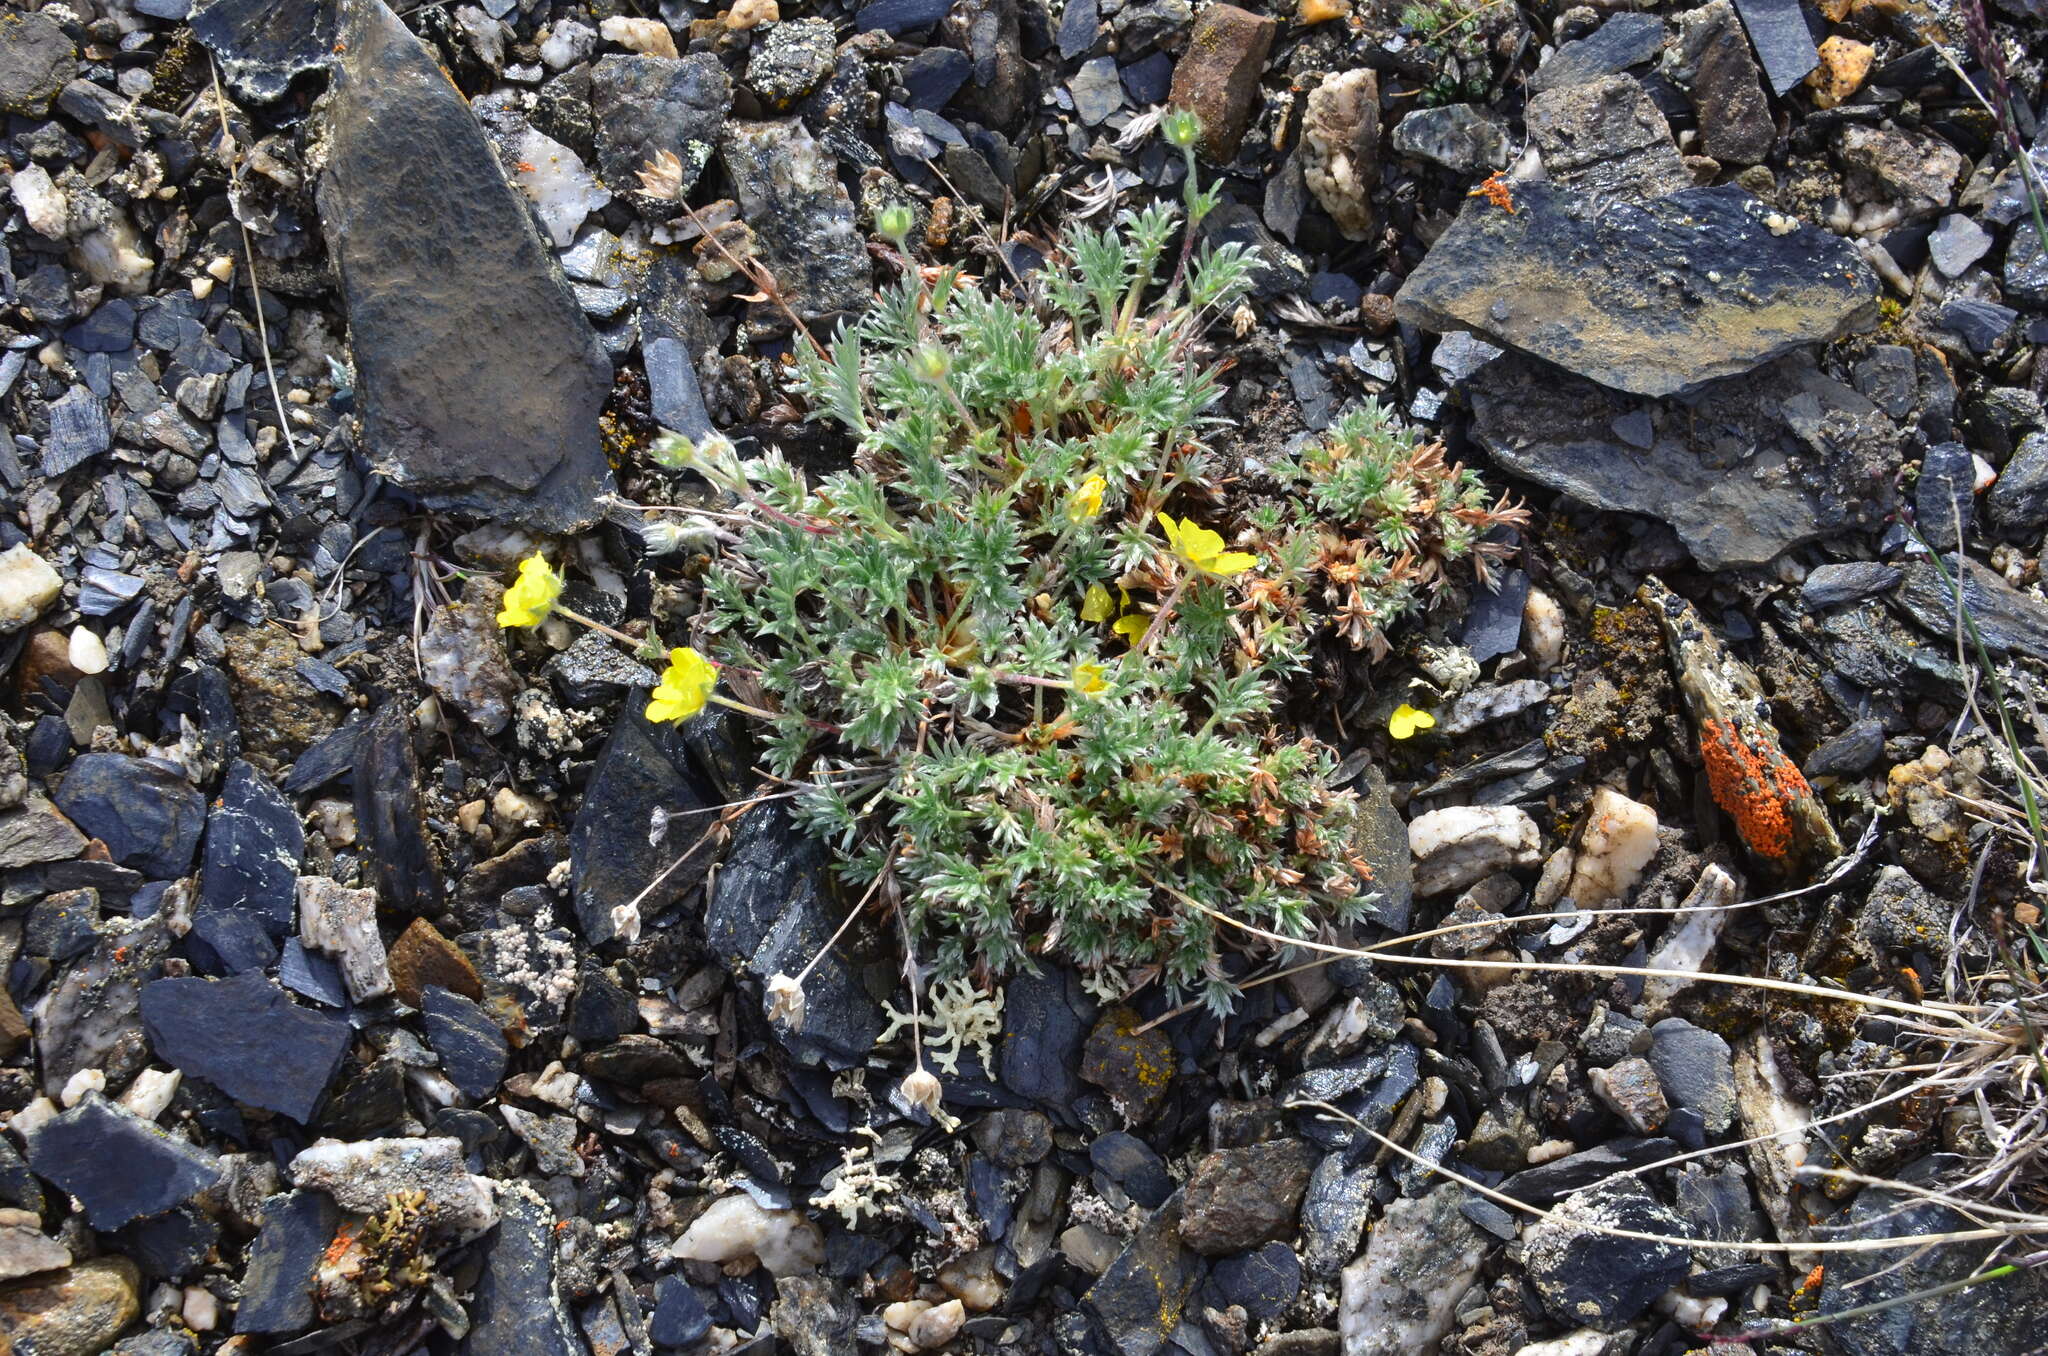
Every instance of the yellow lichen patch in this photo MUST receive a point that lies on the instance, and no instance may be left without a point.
(1844, 62)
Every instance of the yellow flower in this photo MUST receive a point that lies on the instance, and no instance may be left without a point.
(1086, 502)
(1132, 626)
(1096, 605)
(1088, 680)
(684, 688)
(1407, 721)
(532, 595)
(1203, 549)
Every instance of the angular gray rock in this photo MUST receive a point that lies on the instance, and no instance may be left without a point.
(1656, 299)
(1743, 471)
(1605, 137)
(789, 192)
(264, 44)
(1461, 137)
(1628, 39)
(479, 380)
(644, 105)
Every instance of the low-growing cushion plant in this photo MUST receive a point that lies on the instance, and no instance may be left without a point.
(1027, 660)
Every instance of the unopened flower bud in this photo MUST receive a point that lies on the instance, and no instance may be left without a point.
(922, 1089)
(893, 223)
(674, 451)
(1181, 128)
(931, 363)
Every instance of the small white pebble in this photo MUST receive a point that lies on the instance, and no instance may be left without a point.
(202, 288)
(201, 1310)
(1543, 630)
(151, 1092)
(222, 269)
(88, 651)
(82, 1082)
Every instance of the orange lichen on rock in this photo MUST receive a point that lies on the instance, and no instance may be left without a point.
(1755, 783)
(1495, 190)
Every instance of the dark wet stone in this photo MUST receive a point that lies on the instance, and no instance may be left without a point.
(1732, 1280)
(933, 75)
(614, 853)
(37, 59)
(1265, 1281)
(1334, 1211)
(148, 816)
(471, 1048)
(1596, 1279)
(109, 329)
(899, 16)
(1080, 23)
(1239, 1198)
(1605, 278)
(601, 1011)
(2007, 620)
(679, 1318)
(1139, 1300)
(1850, 753)
(238, 942)
(2018, 502)
(478, 379)
(254, 846)
(1013, 1138)
(788, 189)
(1778, 31)
(771, 910)
(645, 105)
(1743, 471)
(1135, 1067)
(1129, 1162)
(264, 44)
(1945, 499)
(1716, 1204)
(170, 1246)
(1005, 85)
(79, 431)
(389, 824)
(1046, 1017)
(244, 1036)
(1560, 1177)
(1735, 119)
(1696, 1070)
(310, 975)
(1625, 40)
(1607, 139)
(277, 1288)
(517, 1310)
(62, 925)
(1494, 625)
(1847, 582)
(120, 1167)
(1980, 324)
(1460, 137)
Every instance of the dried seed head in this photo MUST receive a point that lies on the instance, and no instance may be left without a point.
(784, 1001)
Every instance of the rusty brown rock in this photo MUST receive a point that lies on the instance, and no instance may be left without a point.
(1218, 77)
(1240, 1198)
(422, 956)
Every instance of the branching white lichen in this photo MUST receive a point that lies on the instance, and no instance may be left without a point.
(857, 1185)
(961, 1015)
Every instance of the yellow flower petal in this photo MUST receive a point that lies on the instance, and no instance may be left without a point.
(532, 595)
(1095, 604)
(1226, 563)
(1089, 680)
(1202, 550)
(684, 688)
(1086, 502)
(1406, 721)
(1132, 626)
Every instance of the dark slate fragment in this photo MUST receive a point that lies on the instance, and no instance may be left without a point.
(2018, 503)
(516, 1310)
(37, 59)
(469, 1044)
(1846, 582)
(614, 854)
(120, 1167)
(388, 816)
(1599, 1279)
(109, 329)
(264, 44)
(170, 1246)
(1046, 1019)
(1560, 1177)
(1852, 752)
(479, 380)
(148, 816)
(1586, 284)
(1265, 1280)
(771, 911)
(934, 75)
(674, 395)
(244, 1036)
(334, 756)
(1945, 499)
(1079, 23)
(2008, 621)
(1139, 1300)
(900, 16)
(1494, 625)
(1980, 324)
(680, 1318)
(645, 105)
(79, 431)
(1777, 29)
(277, 1288)
(311, 975)
(237, 940)
(1130, 1163)
(254, 846)
(1628, 39)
